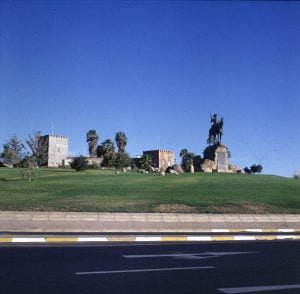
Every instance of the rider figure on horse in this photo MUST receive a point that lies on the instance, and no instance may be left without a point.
(216, 130)
(214, 119)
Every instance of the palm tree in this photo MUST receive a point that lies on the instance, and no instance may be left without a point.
(187, 159)
(184, 153)
(121, 141)
(106, 150)
(92, 139)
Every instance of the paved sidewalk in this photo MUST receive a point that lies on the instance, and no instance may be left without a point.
(141, 222)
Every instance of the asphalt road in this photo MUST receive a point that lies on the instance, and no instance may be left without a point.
(236, 267)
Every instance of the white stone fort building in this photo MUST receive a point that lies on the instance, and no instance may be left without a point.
(57, 149)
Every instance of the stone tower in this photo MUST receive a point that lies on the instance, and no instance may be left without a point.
(57, 149)
(161, 158)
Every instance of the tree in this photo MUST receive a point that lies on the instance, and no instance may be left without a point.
(121, 141)
(186, 159)
(8, 157)
(145, 162)
(13, 151)
(256, 168)
(210, 152)
(92, 139)
(259, 168)
(106, 150)
(121, 160)
(38, 146)
(79, 163)
(253, 169)
(197, 161)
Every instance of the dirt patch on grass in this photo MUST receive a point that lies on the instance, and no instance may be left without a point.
(255, 208)
(180, 208)
(243, 208)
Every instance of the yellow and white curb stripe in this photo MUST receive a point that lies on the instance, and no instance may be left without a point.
(254, 231)
(143, 238)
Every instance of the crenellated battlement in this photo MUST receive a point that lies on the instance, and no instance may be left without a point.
(160, 150)
(58, 136)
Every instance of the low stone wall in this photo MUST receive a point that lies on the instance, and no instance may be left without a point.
(96, 161)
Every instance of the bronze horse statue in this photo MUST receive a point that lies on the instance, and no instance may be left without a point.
(216, 132)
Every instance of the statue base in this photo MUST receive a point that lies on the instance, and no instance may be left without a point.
(221, 159)
(216, 159)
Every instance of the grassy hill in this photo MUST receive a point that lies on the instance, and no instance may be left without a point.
(106, 191)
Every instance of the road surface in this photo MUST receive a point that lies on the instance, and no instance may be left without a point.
(229, 267)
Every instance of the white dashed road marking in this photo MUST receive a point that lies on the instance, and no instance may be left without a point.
(258, 289)
(145, 270)
(201, 255)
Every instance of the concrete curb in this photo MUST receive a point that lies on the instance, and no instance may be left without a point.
(98, 222)
(145, 217)
(253, 230)
(51, 239)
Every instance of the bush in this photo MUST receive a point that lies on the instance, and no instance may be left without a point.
(253, 169)
(209, 152)
(296, 175)
(28, 174)
(121, 160)
(145, 163)
(256, 168)
(94, 165)
(186, 159)
(28, 162)
(197, 161)
(79, 163)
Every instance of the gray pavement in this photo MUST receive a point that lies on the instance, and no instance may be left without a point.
(225, 267)
(141, 222)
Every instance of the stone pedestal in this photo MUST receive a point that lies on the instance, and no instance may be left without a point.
(221, 159)
(216, 159)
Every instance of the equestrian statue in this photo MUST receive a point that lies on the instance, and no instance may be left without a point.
(216, 130)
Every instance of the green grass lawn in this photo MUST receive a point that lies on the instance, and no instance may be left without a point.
(106, 191)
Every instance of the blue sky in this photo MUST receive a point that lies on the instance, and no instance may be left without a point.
(155, 70)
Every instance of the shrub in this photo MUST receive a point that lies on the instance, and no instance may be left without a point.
(256, 168)
(253, 169)
(145, 162)
(197, 161)
(28, 162)
(296, 175)
(79, 163)
(121, 160)
(186, 159)
(28, 174)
